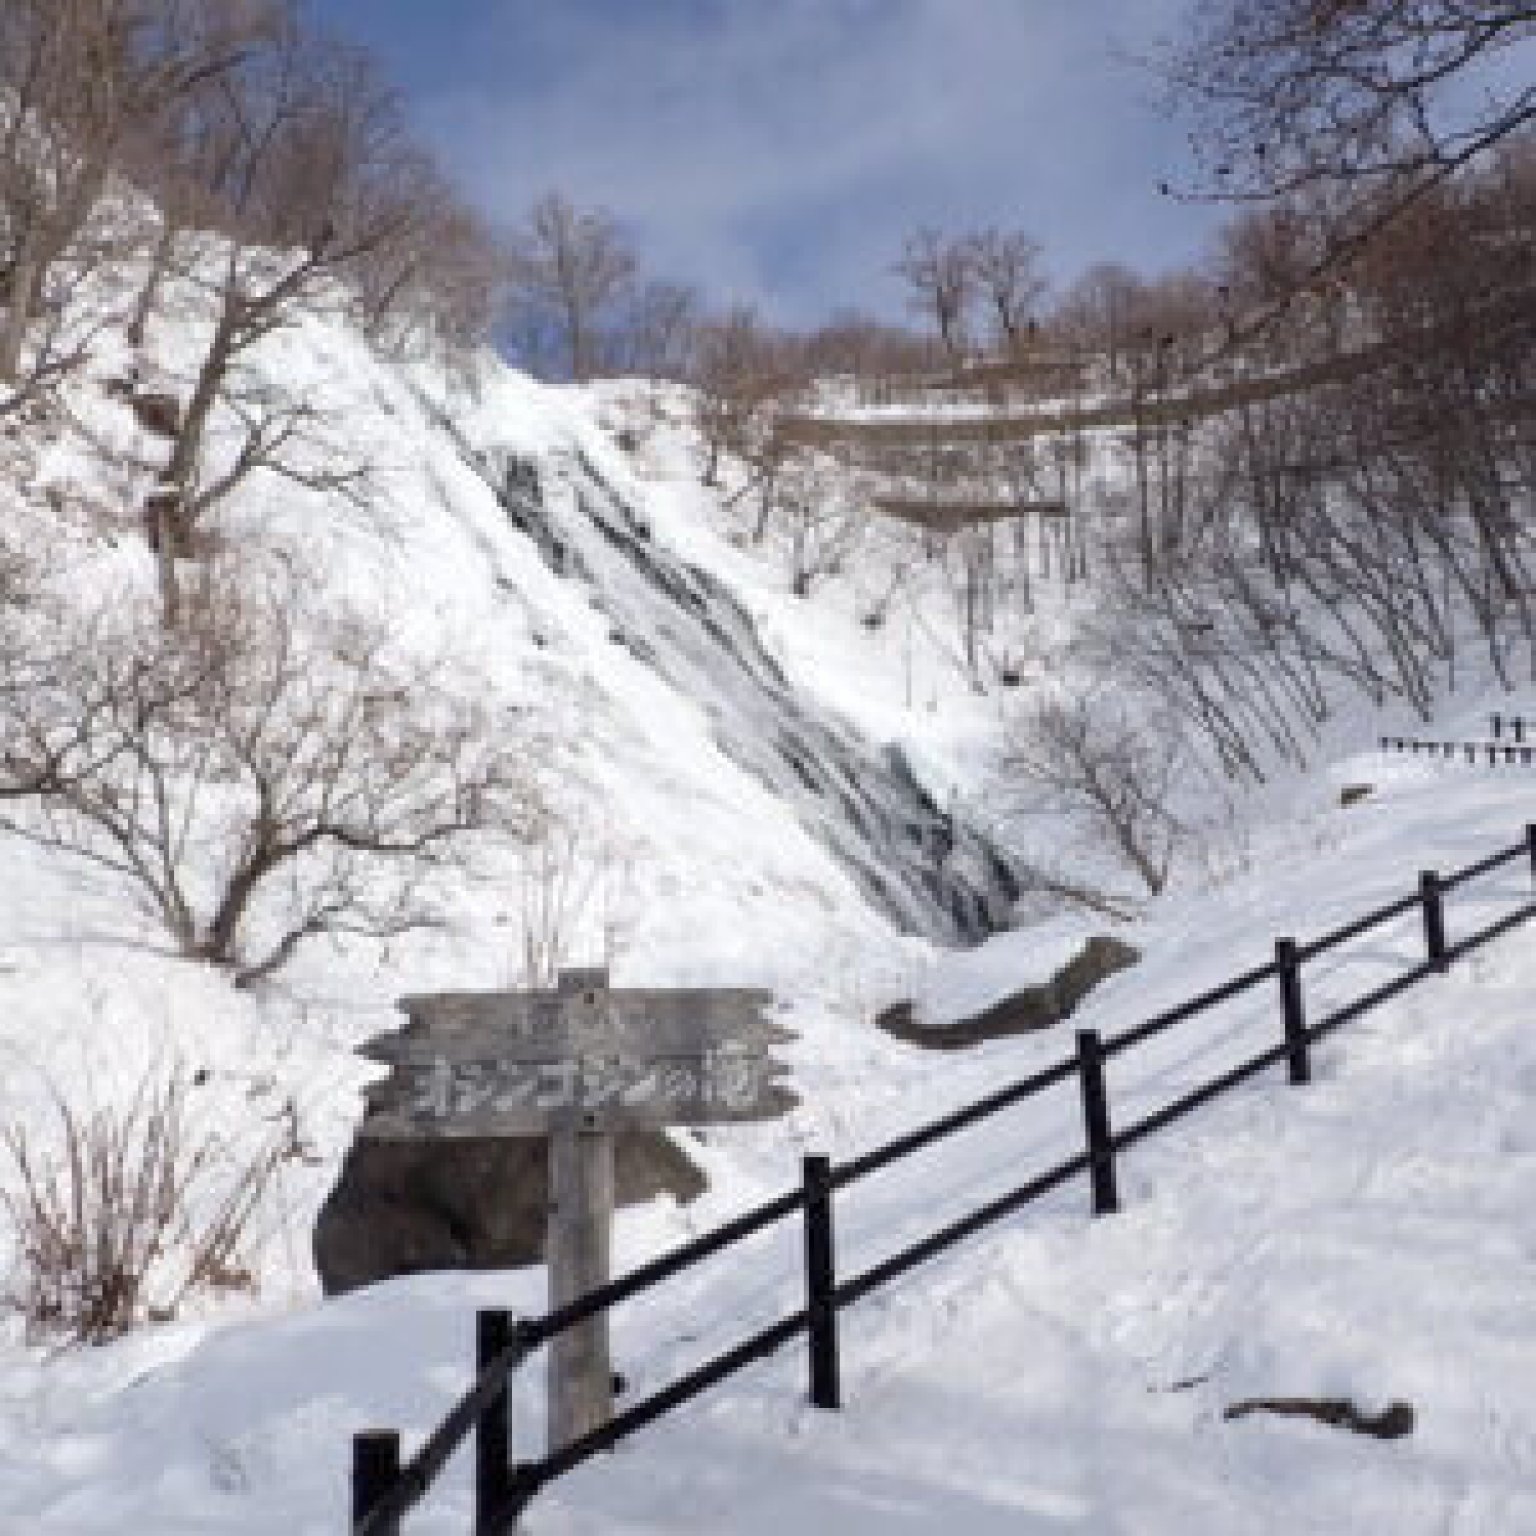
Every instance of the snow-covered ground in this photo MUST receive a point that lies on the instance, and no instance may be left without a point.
(1369, 1236)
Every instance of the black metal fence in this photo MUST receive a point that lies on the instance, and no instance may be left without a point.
(1489, 752)
(1514, 741)
(384, 1489)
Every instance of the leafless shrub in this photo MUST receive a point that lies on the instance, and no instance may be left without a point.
(267, 771)
(1085, 758)
(576, 899)
(124, 1214)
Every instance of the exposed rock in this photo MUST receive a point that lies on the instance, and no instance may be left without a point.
(1353, 794)
(1031, 1008)
(403, 1207)
(157, 413)
(1392, 1423)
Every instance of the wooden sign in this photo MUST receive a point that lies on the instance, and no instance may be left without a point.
(576, 1065)
(473, 1064)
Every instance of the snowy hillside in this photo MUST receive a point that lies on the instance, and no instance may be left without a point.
(1368, 1237)
(762, 789)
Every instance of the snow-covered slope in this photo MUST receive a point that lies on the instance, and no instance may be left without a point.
(771, 793)
(1368, 1237)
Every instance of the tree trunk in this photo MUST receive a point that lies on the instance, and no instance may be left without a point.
(159, 263)
(25, 281)
(173, 508)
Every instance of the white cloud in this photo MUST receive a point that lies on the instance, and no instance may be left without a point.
(780, 148)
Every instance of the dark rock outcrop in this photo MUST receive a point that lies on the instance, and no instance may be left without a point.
(157, 413)
(1392, 1423)
(403, 1207)
(1030, 1008)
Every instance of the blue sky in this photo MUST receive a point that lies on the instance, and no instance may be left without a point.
(778, 150)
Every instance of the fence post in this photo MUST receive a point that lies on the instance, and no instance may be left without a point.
(1432, 895)
(1101, 1146)
(375, 1470)
(821, 1283)
(1293, 1012)
(1530, 843)
(1498, 726)
(1519, 724)
(493, 1434)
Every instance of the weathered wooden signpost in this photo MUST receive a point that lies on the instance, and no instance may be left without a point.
(576, 1065)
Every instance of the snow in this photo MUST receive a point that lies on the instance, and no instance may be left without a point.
(962, 985)
(1370, 1236)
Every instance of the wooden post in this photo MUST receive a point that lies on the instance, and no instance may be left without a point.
(1293, 1013)
(1498, 726)
(580, 1228)
(375, 1470)
(821, 1283)
(493, 1434)
(1101, 1146)
(1530, 843)
(1433, 898)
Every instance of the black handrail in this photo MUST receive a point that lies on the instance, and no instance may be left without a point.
(1342, 935)
(1127, 1038)
(948, 1125)
(379, 1509)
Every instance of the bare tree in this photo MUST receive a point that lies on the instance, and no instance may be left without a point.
(1086, 758)
(656, 333)
(1098, 314)
(741, 371)
(261, 773)
(1360, 107)
(297, 160)
(439, 278)
(1296, 93)
(570, 267)
(817, 512)
(1006, 269)
(941, 280)
(85, 79)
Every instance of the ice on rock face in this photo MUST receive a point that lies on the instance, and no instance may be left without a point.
(930, 872)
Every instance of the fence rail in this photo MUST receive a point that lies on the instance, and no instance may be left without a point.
(1520, 750)
(384, 1490)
